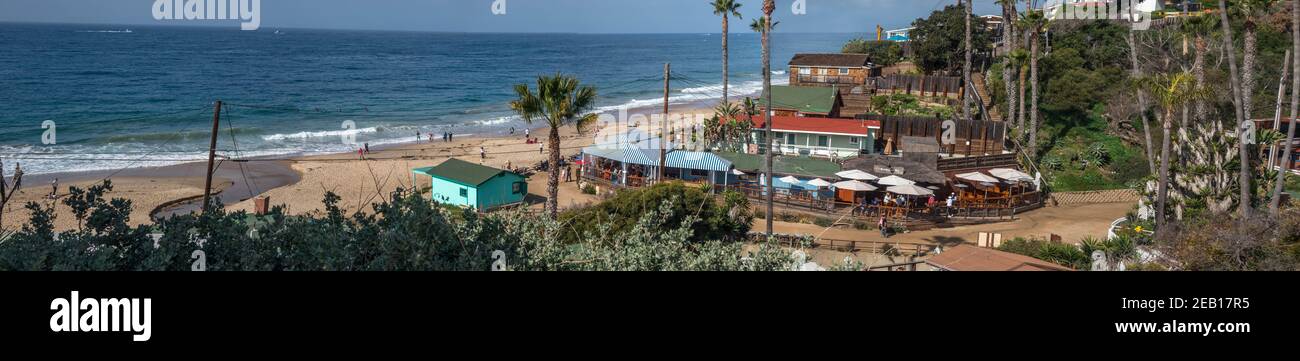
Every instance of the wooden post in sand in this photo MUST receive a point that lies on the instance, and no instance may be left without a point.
(663, 125)
(212, 155)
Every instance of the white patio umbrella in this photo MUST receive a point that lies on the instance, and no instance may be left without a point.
(737, 172)
(1011, 175)
(977, 177)
(819, 183)
(894, 180)
(857, 175)
(790, 179)
(855, 186)
(909, 190)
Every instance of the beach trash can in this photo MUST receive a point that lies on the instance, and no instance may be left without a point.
(261, 205)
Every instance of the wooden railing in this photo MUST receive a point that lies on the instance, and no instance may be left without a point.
(805, 201)
(793, 241)
(829, 79)
(991, 161)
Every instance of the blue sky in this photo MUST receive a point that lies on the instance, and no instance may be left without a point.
(580, 16)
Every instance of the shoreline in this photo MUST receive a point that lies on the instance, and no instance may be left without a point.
(299, 182)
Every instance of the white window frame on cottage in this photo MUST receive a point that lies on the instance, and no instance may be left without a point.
(805, 71)
(844, 71)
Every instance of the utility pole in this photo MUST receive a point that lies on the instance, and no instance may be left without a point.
(212, 155)
(768, 7)
(663, 124)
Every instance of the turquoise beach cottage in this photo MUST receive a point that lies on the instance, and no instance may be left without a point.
(470, 185)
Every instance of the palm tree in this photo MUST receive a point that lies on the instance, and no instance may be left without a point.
(1234, 77)
(1251, 9)
(726, 114)
(758, 25)
(1034, 21)
(560, 100)
(768, 7)
(1019, 59)
(1275, 203)
(1199, 28)
(965, 69)
(1136, 73)
(726, 9)
(1009, 45)
(1171, 91)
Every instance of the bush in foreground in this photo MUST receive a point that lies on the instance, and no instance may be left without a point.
(405, 233)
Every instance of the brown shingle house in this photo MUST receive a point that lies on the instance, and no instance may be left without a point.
(844, 70)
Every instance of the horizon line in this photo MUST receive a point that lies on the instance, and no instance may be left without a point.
(264, 27)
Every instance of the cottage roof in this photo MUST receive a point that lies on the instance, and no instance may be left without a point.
(462, 172)
(831, 60)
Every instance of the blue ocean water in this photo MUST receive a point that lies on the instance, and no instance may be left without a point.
(129, 96)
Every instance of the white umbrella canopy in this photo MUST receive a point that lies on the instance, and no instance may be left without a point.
(737, 172)
(790, 179)
(855, 186)
(819, 183)
(894, 180)
(910, 190)
(977, 177)
(857, 175)
(1011, 175)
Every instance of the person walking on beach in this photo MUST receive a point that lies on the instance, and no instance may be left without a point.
(884, 230)
(482, 152)
(417, 136)
(367, 148)
(54, 194)
(527, 133)
(361, 153)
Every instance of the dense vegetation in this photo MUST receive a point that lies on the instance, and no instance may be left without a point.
(882, 52)
(938, 41)
(655, 229)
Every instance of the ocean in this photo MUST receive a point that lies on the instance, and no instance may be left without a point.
(132, 96)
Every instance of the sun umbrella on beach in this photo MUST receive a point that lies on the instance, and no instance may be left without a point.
(894, 180)
(819, 183)
(855, 186)
(977, 177)
(857, 175)
(1011, 175)
(909, 190)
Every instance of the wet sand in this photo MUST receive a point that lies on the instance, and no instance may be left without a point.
(300, 183)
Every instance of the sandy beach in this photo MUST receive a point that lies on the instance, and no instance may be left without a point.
(299, 184)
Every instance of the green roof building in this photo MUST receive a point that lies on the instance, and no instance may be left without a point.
(470, 185)
(804, 101)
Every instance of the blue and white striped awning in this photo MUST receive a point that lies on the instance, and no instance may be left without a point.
(649, 157)
(698, 161)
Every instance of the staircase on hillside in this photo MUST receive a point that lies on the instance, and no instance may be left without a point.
(981, 87)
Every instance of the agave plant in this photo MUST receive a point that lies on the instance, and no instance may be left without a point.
(1099, 155)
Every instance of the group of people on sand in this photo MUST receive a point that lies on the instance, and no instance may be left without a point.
(446, 136)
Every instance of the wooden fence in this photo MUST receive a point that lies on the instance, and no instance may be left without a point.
(974, 137)
(923, 85)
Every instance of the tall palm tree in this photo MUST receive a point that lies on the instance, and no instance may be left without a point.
(560, 100)
(1199, 28)
(1251, 11)
(1009, 45)
(1171, 91)
(1275, 204)
(1136, 73)
(1019, 58)
(965, 69)
(726, 9)
(759, 25)
(1234, 77)
(768, 7)
(1034, 21)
